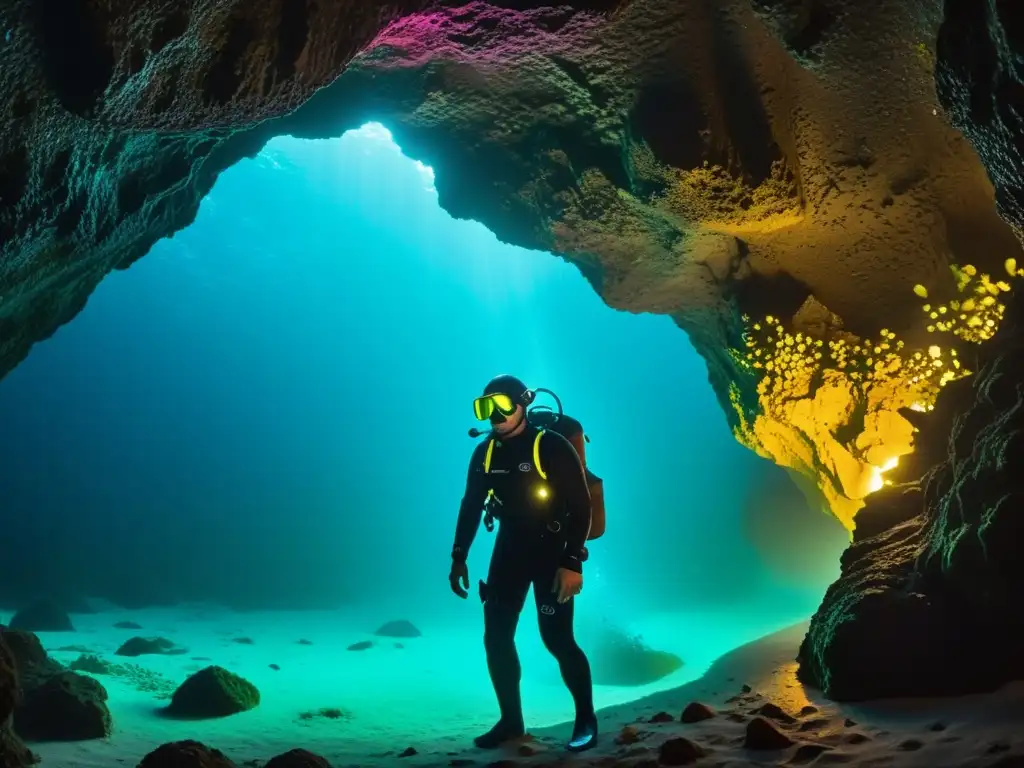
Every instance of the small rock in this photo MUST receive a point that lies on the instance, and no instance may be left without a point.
(662, 717)
(149, 646)
(696, 712)
(399, 628)
(74, 649)
(849, 723)
(460, 762)
(127, 625)
(775, 712)
(362, 645)
(213, 692)
(911, 745)
(91, 663)
(527, 750)
(305, 642)
(807, 753)
(736, 717)
(243, 640)
(763, 735)
(274, 667)
(679, 751)
(42, 616)
(857, 738)
(186, 754)
(746, 688)
(813, 725)
(628, 735)
(808, 710)
(66, 707)
(408, 752)
(399, 645)
(938, 727)
(27, 651)
(298, 758)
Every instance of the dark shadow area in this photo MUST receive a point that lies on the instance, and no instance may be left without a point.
(778, 294)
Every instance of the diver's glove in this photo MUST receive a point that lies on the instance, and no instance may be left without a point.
(459, 573)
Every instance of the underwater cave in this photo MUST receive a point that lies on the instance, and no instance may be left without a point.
(256, 262)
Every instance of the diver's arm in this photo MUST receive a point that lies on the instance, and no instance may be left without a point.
(570, 482)
(472, 507)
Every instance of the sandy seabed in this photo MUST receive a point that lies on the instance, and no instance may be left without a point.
(431, 693)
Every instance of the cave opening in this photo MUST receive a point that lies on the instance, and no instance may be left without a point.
(265, 417)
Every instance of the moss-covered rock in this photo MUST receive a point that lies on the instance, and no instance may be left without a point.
(298, 758)
(66, 707)
(185, 754)
(42, 616)
(145, 646)
(213, 692)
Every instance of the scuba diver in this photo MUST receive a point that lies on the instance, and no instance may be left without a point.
(533, 481)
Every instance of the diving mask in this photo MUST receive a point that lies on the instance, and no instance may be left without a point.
(484, 407)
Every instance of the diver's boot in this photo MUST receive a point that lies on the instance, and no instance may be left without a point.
(584, 734)
(505, 730)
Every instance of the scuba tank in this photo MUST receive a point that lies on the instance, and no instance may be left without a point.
(571, 429)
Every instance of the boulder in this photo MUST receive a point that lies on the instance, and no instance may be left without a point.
(149, 646)
(185, 754)
(298, 758)
(213, 692)
(65, 707)
(42, 616)
(399, 628)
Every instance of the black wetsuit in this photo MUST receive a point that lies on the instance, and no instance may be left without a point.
(543, 526)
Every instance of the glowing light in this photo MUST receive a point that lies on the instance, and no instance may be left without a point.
(542, 492)
(875, 481)
(807, 386)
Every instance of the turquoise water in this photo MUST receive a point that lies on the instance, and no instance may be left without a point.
(270, 411)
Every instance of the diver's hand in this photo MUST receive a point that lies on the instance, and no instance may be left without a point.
(567, 584)
(459, 572)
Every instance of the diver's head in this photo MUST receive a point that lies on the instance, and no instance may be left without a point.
(504, 403)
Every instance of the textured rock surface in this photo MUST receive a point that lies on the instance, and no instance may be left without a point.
(53, 704)
(185, 754)
(66, 707)
(42, 616)
(213, 692)
(298, 758)
(13, 754)
(930, 594)
(703, 158)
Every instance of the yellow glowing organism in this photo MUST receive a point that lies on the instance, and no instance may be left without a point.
(883, 375)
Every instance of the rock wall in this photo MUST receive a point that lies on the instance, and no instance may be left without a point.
(715, 161)
(930, 594)
(746, 166)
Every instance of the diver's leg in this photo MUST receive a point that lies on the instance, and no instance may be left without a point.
(556, 630)
(507, 585)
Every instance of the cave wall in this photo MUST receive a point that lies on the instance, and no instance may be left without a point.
(714, 161)
(929, 597)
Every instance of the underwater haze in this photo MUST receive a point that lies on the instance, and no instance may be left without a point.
(270, 412)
